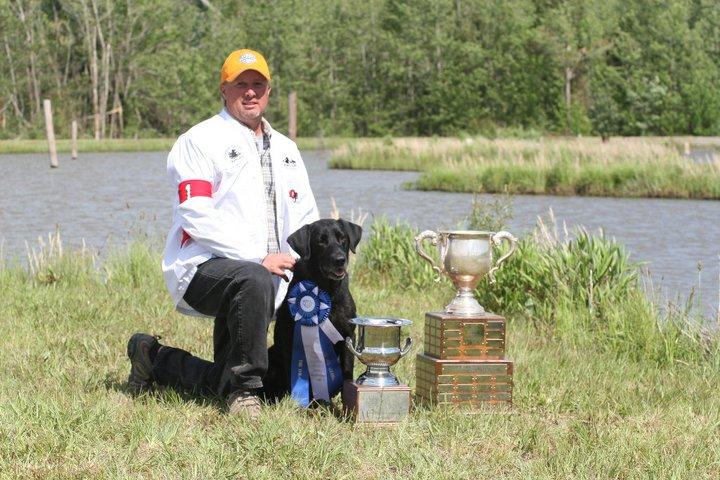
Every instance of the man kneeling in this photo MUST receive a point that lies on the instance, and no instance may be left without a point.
(242, 190)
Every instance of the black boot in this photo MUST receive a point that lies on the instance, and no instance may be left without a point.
(141, 350)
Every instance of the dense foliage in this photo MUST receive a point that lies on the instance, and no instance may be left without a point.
(399, 67)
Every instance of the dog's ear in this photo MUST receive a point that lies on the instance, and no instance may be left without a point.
(299, 240)
(354, 232)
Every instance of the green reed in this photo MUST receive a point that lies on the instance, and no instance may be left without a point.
(659, 180)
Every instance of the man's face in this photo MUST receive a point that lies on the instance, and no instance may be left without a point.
(246, 97)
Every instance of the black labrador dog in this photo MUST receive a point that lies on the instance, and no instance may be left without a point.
(324, 248)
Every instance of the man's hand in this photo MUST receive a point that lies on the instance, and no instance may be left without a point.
(277, 263)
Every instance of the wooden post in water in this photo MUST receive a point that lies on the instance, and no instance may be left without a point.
(96, 125)
(73, 140)
(292, 115)
(50, 133)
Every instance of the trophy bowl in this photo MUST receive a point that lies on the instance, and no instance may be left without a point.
(465, 257)
(378, 347)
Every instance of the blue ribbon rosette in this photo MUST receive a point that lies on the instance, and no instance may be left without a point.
(314, 361)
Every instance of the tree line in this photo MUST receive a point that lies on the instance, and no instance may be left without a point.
(370, 68)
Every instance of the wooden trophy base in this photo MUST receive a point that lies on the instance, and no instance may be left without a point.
(458, 337)
(472, 383)
(369, 404)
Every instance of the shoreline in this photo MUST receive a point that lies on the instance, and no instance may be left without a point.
(154, 144)
(158, 144)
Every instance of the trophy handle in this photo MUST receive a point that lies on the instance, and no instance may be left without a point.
(496, 240)
(418, 247)
(406, 348)
(349, 344)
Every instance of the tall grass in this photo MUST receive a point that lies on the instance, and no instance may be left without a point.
(590, 401)
(621, 167)
(395, 153)
(659, 178)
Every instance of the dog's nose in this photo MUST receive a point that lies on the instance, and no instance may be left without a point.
(339, 261)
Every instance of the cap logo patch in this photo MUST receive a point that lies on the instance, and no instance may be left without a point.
(248, 58)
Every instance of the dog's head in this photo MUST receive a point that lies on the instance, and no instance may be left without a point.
(325, 244)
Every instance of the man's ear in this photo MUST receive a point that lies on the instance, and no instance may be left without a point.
(354, 232)
(222, 94)
(299, 240)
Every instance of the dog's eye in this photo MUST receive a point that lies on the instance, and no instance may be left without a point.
(342, 239)
(323, 239)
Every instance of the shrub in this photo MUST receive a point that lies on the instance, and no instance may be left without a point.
(388, 256)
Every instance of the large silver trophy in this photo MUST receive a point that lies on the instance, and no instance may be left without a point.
(465, 257)
(377, 395)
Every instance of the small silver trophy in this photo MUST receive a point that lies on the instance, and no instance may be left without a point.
(377, 395)
(465, 257)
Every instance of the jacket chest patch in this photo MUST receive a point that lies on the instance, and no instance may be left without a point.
(233, 154)
(293, 195)
(289, 162)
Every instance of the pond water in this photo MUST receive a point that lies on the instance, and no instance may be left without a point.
(106, 199)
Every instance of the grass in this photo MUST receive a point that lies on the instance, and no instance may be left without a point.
(89, 145)
(623, 167)
(135, 145)
(591, 401)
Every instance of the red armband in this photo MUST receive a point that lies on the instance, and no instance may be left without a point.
(194, 188)
(189, 189)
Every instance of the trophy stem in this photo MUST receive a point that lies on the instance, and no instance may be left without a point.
(378, 376)
(464, 303)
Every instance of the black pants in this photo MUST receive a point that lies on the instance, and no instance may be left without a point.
(241, 297)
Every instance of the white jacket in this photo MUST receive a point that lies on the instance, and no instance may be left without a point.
(232, 222)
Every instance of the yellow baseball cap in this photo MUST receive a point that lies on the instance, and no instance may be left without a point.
(239, 61)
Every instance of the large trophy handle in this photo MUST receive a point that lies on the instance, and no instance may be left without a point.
(406, 348)
(351, 347)
(418, 247)
(496, 240)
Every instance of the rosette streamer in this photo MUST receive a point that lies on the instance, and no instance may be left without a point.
(314, 361)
